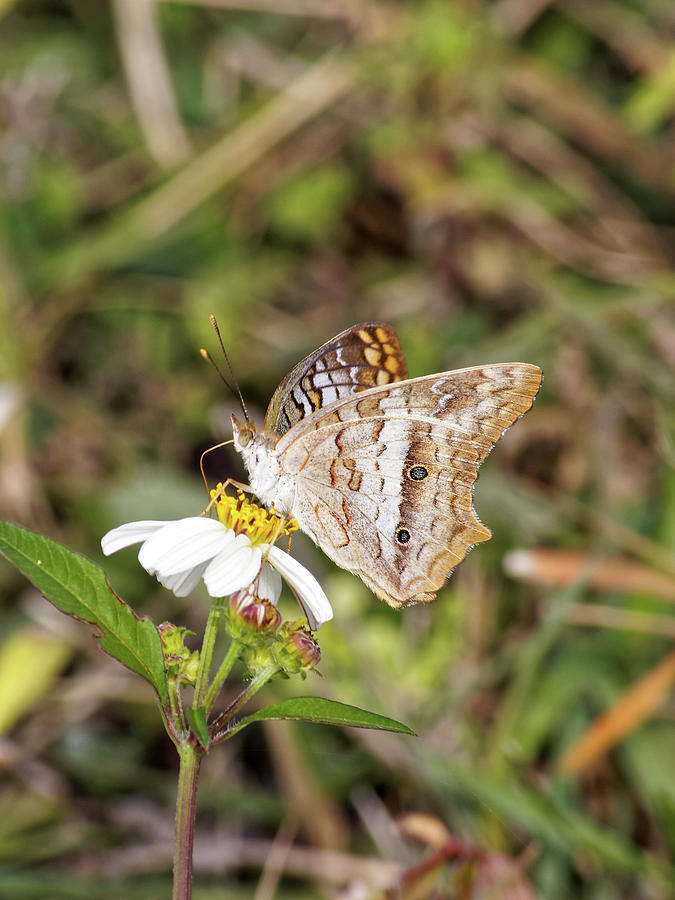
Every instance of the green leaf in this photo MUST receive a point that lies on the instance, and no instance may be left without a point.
(80, 589)
(329, 712)
(197, 718)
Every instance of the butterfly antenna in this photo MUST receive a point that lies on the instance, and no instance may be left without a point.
(236, 390)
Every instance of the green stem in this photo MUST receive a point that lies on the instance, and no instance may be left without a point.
(206, 653)
(259, 681)
(190, 758)
(176, 706)
(222, 673)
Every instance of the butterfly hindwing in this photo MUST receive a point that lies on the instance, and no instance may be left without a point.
(384, 480)
(401, 533)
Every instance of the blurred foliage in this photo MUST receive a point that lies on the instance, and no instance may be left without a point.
(494, 179)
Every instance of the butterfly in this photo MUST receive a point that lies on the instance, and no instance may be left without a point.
(378, 468)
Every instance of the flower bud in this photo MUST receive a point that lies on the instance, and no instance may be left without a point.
(257, 657)
(251, 615)
(296, 650)
(180, 662)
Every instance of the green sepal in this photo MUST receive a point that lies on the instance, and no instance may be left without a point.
(196, 717)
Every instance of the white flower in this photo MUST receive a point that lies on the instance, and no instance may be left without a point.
(183, 552)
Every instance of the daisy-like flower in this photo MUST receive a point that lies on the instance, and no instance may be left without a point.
(229, 553)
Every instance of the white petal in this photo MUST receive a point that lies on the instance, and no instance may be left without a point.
(181, 545)
(234, 568)
(269, 584)
(183, 583)
(131, 533)
(306, 588)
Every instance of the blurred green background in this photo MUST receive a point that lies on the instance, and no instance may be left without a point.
(494, 179)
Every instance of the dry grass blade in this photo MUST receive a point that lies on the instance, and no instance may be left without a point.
(149, 80)
(622, 29)
(579, 114)
(624, 537)
(315, 9)
(575, 248)
(314, 90)
(274, 864)
(561, 568)
(515, 16)
(635, 706)
(618, 223)
(596, 615)
(216, 855)
(123, 238)
(312, 807)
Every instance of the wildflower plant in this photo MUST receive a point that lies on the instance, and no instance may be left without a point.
(231, 549)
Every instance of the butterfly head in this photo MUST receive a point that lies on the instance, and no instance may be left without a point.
(243, 432)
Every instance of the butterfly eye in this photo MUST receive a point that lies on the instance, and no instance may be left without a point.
(418, 473)
(403, 535)
(242, 431)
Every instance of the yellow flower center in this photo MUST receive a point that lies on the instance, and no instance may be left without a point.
(243, 516)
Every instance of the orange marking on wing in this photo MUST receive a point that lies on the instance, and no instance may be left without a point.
(304, 462)
(333, 527)
(354, 482)
(365, 336)
(345, 510)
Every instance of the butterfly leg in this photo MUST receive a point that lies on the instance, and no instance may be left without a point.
(238, 484)
(223, 488)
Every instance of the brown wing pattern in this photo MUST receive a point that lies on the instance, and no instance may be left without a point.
(385, 480)
(359, 358)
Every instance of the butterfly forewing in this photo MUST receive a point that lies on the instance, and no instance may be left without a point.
(359, 358)
(385, 478)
